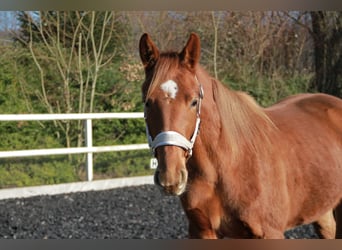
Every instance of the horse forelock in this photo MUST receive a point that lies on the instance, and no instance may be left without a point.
(165, 68)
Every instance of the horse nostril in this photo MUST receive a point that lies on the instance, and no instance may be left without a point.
(184, 176)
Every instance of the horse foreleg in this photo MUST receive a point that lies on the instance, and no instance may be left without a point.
(325, 226)
(199, 225)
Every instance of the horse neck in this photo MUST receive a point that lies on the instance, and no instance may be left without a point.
(234, 140)
(233, 125)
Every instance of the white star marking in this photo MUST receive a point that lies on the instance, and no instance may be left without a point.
(170, 88)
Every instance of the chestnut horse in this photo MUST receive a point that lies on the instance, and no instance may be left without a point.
(240, 170)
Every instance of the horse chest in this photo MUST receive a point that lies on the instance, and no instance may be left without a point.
(207, 216)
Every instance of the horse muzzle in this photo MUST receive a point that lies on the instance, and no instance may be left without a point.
(171, 185)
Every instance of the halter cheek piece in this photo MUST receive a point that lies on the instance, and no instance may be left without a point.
(173, 138)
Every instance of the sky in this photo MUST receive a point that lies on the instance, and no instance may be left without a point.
(7, 20)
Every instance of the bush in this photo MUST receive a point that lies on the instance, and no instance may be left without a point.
(268, 90)
(122, 164)
(35, 171)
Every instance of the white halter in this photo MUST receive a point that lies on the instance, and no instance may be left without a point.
(174, 138)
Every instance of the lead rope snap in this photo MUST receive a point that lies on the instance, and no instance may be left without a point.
(153, 163)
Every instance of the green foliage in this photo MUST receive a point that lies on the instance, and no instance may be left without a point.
(121, 164)
(268, 90)
(40, 171)
(9, 86)
(117, 89)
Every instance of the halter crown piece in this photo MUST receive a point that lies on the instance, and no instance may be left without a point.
(173, 138)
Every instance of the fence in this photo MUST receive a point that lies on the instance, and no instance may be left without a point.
(89, 149)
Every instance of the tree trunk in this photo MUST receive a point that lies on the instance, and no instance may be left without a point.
(327, 39)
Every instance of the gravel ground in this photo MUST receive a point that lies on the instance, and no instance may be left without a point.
(124, 213)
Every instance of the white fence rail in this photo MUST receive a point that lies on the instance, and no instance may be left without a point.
(89, 149)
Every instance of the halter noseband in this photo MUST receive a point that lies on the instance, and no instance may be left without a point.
(173, 138)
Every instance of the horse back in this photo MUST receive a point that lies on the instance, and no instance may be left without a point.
(301, 110)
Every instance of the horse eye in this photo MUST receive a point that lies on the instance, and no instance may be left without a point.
(194, 103)
(147, 103)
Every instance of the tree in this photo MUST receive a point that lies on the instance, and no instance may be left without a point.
(70, 50)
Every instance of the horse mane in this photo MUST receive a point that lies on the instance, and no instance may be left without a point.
(246, 126)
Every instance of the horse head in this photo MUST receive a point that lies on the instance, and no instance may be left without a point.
(172, 95)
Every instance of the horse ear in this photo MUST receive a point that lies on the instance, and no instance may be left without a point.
(190, 55)
(149, 53)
